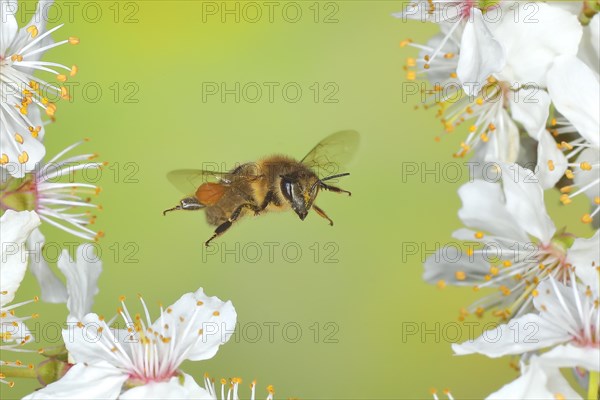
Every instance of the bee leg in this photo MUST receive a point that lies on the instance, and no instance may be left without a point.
(322, 214)
(268, 200)
(335, 189)
(189, 203)
(227, 224)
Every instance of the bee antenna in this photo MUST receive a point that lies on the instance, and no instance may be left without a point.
(320, 181)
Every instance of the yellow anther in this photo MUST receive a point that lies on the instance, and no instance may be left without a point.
(3, 159)
(551, 165)
(405, 42)
(23, 157)
(61, 77)
(586, 218)
(478, 235)
(566, 189)
(565, 199)
(74, 40)
(586, 166)
(569, 174)
(441, 284)
(74, 70)
(19, 138)
(460, 275)
(33, 31)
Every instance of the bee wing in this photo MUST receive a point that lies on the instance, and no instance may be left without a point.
(333, 153)
(189, 180)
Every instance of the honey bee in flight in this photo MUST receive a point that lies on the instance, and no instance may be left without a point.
(275, 183)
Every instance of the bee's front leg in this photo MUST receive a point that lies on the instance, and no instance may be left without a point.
(234, 216)
(335, 189)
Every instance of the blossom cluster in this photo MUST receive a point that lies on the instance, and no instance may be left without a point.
(522, 78)
(139, 358)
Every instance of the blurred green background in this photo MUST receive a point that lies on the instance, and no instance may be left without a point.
(150, 60)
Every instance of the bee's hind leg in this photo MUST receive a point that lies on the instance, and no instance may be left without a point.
(234, 216)
(188, 203)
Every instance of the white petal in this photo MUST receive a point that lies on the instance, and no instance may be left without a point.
(215, 318)
(82, 279)
(531, 108)
(480, 54)
(570, 356)
(532, 36)
(8, 28)
(588, 49)
(53, 290)
(536, 382)
(87, 344)
(525, 201)
(449, 262)
(172, 389)
(575, 91)
(503, 144)
(484, 209)
(99, 381)
(584, 255)
(549, 154)
(527, 333)
(15, 228)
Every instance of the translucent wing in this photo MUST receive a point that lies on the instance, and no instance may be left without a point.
(333, 153)
(189, 180)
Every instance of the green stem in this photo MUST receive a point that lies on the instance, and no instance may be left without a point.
(593, 383)
(15, 372)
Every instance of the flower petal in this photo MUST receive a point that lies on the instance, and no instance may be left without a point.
(82, 280)
(483, 209)
(8, 28)
(481, 54)
(584, 255)
(550, 32)
(173, 389)
(86, 339)
(98, 381)
(451, 265)
(570, 356)
(575, 91)
(537, 381)
(551, 162)
(525, 200)
(53, 290)
(202, 324)
(589, 50)
(15, 228)
(527, 333)
(531, 107)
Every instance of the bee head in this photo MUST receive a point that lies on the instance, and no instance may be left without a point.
(299, 190)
